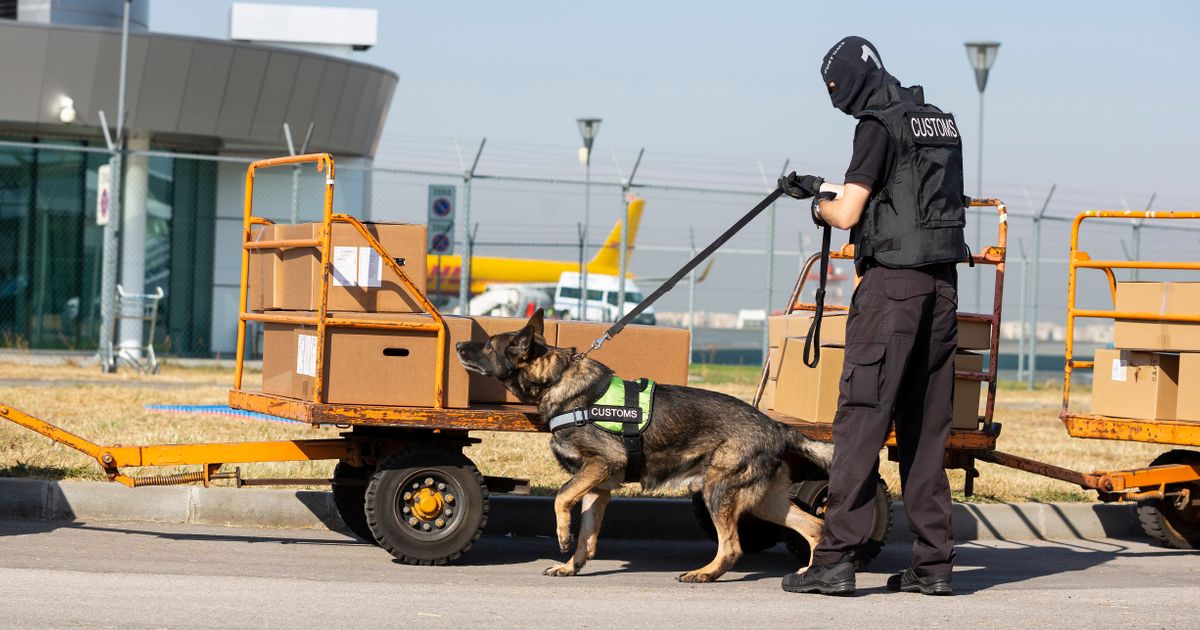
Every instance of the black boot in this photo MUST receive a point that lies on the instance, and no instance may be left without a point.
(827, 579)
(910, 582)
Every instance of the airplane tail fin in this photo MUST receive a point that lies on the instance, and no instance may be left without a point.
(608, 259)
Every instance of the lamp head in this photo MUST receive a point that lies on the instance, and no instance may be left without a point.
(981, 56)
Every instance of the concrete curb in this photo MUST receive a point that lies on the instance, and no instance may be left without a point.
(662, 519)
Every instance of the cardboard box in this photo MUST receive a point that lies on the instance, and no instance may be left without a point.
(260, 277)
(365, 366)
(974, 335)
(1164, 298)
(1188, 407)
(485, 388)
(775, 358)
(812, 393)
(653, 352)
(1130, 384)
(806, 393)
(780, 327)
(768, 398)
(358, 281)
(966, 392)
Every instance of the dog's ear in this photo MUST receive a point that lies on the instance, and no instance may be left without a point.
(522, 341)
(538, 323)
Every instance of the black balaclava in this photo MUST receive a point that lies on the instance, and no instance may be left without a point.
(856, 69)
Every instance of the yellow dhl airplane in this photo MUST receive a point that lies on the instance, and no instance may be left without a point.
(487, 270)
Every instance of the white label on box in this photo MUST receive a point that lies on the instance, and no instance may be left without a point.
(1120, 370)
(306, 355)
(370, 268)
(345, 266)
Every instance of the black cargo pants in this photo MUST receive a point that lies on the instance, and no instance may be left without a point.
(900, 342)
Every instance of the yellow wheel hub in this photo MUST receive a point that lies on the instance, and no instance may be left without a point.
(427, 504)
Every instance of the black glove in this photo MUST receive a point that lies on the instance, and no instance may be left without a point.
(800, 186)
(816, 207)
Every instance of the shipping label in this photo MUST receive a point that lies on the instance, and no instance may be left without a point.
(306, 355)
(345, 266)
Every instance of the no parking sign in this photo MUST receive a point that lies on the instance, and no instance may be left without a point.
(441, 219)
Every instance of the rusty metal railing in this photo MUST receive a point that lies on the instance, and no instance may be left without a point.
(322, 321)
(1104, 427)
(992, 255)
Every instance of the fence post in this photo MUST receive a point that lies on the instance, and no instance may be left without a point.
(691, 320)
(626, 184)
(1037, 270)
(766, 341)
(464, 274)
(1022, 309)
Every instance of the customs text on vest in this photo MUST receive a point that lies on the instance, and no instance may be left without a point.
(916, 218)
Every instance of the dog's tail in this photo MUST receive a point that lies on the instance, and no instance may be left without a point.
(819, 453)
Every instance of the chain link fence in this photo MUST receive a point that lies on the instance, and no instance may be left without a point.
(51, 246)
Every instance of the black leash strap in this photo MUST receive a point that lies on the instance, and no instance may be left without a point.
(631, 436)
(812, 342)
(683, 271)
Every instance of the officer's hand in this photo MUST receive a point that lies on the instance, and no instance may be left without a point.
(816, 208)
(800, 186)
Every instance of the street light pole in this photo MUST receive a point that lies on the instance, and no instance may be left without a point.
(588, 128)
(111, 249)
(981, 55)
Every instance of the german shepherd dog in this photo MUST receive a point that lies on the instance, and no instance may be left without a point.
(739, 459)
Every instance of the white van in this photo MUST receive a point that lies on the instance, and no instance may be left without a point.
(603, 297)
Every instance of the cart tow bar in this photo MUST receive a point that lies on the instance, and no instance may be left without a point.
(662, 290)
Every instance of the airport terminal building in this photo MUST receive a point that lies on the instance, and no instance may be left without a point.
(196, 110)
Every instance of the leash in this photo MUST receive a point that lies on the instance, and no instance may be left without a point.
(662, 290)
(812, 341)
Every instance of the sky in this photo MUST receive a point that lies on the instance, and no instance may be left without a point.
(1093, 95)
(1096, 97)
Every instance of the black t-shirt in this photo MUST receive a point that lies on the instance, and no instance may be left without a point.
(872, 153)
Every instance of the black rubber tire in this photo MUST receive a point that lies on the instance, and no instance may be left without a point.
(1162, 520)
(388, 523)
(811, 496)
(755, 534)
(349, 497)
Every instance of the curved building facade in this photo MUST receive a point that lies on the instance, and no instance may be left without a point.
(195, 108)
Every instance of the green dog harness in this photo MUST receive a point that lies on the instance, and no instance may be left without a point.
(625, 409)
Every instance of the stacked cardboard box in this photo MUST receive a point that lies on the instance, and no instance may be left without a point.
(289, 279)
(811, 394)
(1152, 363)
(366, 366)
(396, 367)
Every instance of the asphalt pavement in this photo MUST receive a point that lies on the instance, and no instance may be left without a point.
(132, 575)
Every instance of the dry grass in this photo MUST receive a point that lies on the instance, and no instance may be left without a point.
(110, 409)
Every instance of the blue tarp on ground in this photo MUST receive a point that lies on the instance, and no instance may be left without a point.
(219, 410)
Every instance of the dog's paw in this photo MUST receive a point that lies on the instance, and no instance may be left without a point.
(565, 541)
(695, 577)
(560, 570)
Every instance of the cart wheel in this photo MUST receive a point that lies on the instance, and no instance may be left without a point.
(755, 534)
(1165, 520)
(426, 505)
(812, 496)
(349, 497)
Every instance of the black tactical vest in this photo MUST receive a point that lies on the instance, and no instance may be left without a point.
(916, 218)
